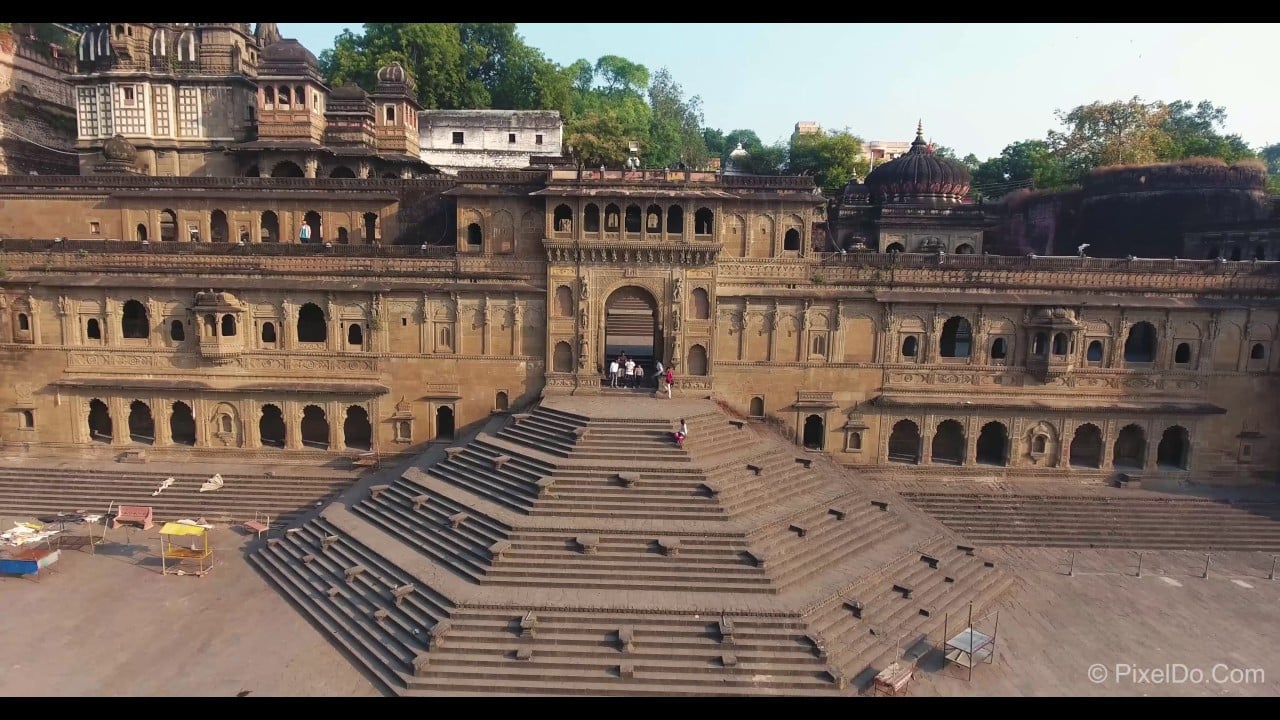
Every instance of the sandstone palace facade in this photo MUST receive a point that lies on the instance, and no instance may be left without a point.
(185, 295)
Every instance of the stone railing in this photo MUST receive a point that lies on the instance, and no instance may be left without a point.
(102, 247)
(107, 183)
(505, 177)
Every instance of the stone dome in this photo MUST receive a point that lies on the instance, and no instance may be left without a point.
(117, 149)
(289, 52)
(920, 176)
(395, 74)
(738, 152)
(349, 91)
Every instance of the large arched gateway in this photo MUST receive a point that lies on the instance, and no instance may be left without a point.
(631, 326)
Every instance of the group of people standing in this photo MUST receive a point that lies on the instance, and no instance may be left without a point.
(625, 372)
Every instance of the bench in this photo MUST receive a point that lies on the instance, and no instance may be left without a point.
(725, 626)
(376, 491)
(453, 452)
(521, 417)
(587, 543)
(894, 678)
(435, 638)
(798, 529)
(758, 470)
(626, 639)
(626, 671)
(757, 557)
(855, 607)
(420, 501)
(669, 546)
(806, 462)
(882, 504)
(497, 549)
(528, 625)
(838, 679)
(524, 653)
(402, 592)
(580, 433)
(819, 645)
(739, 424)
(501, 460)
(139, 516)
(546, 487)
(421, 663)
(708, 489)
(365, 460)
(729, 660)
(456, 519)
(929, 560)
(353, 572)
(258, 525)
(906, 590)
(966, 549)
(132, 456)
(1125, 480)
(629, 479)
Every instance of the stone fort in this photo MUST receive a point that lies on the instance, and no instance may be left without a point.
(250, 263)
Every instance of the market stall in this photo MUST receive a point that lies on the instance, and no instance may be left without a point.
(185, 550)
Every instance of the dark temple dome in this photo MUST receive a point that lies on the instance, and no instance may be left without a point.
(289, 52)
(117, 149)
(920, 175)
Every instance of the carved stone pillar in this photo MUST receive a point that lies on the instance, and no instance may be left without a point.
(1117, 342)
(161, 409)
(155, 319)
(1108, 445)
(309, 167)
(1205, 361)
(978, 351)
(424, 324)
(1242, 355)
(333, 325)
(926, 442)
(517, 327)
(336, 417)
(66, 319)
(288, 325)
(33, 305)
(119, 410)
(486, 315)
(292, 425)
(771, 317)
(251, 414)
(111, 322)
(200, 415)
(1065, 434)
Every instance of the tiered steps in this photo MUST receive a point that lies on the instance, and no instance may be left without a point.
(629, 562)
(861, 646)
(453, 535)
(48, 491)
(361, 612)
(583, 654)
(796, 548)
(584, 552)
(1151, 523)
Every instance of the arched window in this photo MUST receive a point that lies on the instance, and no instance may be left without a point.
(701, 304)
(949, 443)
(1086, 447)
(562, 358)
(757, 407)
(342, 171)
(904, 442)
(24, 323)
(999, 349)
(611, 218)
(815, 433)
(1038, 444)
(564, 301)
(562, 219)
(228, 325)
(1140, 346)
(1094, 353)
(271, 430)
(268, 332)
(992, 445)
(446, 339)
(1258, 352)
(370, 226)
(210, 325)
(444, 423)
(1040, 345)
(957, 337)
(894, 248)
(355, 335)
(142, 427)
(315, 428)
(1130, 448)
(182, 424)
(268, 98)
(187, 47)
(964, 249)
(500, 401)
(142, 232)
(819, 345)
(704, 222)
(675, 220)
(270, 227)
(100, 429)
(591, 218)
(653, 219)
(357, 432)
(909, 346)
(697, 363)
(633, 221)
(218, 229)
(1174, 447)
(1182, 354)
(133, 321)
(475, 237)
(1060, 344)
(343, 237)
(168, 226)
(177, 332)
(92, 330)
(311, 324)
(26, 420)
(791, 240)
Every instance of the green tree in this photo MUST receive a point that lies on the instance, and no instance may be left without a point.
(971, 161)
(1270, 154)
(1192, 131)
(832, 158)
(765, 159)
(1029, 163)
(597, 139)
(675, 127)
(1120, 132)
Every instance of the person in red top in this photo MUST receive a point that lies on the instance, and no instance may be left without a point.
(668, 379)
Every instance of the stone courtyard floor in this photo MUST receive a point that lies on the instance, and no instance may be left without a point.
(110, 624)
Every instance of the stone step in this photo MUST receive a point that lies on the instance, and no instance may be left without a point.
(641, 684)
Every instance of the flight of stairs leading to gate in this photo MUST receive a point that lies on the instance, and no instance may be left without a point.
(1106, 520)
(577, 550)
(38, 491)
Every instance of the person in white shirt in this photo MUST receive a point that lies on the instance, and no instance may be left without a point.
(613, 373)
(630, 373)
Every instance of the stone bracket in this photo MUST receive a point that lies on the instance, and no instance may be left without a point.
(588, 544)
(524, 653)
(627, 639)
(798, 529)
(435, 638)
(819, 645)
(739, 424)
(528, 625)
(380, 614)
(353, 572)
(966, 549)
(497, 549)
(308, 559)
(333, 592)
(580, 433)
(401, 593)
(521, 417)
(855, 607)
(757, 557)
(501, 460)
(669, 545)
(725, 626)
(421, 663)
(546, 487)
(626, 671)
(454, 452)
(629, 479)
(709, 489)
(456, 519)
(729, 660)
(376, 491)
(420, 502)
(327, 541)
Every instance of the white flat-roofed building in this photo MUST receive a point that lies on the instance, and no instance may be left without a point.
(452, 140)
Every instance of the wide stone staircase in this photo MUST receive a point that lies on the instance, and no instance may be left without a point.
(31, 490)
(1106, 520)
(574, 549)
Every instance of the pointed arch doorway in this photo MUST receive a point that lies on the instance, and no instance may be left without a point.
(631, 326)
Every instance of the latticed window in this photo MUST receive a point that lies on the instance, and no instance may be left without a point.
(188, 112)
(131, 110)
(88, 105)
(106, 127)
(160, 101)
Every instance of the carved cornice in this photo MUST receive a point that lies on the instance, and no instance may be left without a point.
(631, 253)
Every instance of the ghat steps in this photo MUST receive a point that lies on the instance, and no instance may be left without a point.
(577, 550)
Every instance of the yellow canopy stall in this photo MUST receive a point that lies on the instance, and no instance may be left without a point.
(183, 544)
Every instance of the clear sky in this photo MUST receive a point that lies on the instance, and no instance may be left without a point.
(977, 87)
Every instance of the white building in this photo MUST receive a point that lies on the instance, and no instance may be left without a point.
(452, 140)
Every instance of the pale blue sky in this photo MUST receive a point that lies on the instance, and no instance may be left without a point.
(978, 87)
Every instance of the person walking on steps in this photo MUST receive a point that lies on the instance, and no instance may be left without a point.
(668, 378)
(682, 433)
(630, 371)
(658, 374)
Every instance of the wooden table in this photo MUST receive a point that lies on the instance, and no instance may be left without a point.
(29, 562)
(893, 680)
